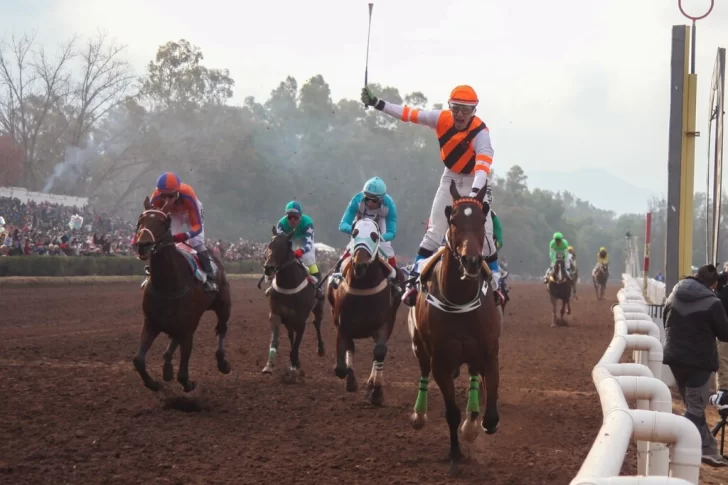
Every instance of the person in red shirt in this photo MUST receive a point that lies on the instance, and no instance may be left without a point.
(185, 210)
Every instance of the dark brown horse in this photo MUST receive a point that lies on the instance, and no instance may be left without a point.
(455, 321)
(559, 286)
(364, 305)
(174, 300)
(600, 277)
(291, 298)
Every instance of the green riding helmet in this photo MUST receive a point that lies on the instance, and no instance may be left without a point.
(558, 236)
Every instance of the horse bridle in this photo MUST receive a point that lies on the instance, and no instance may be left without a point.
(275, 269)
(164, 241)
(463, 272)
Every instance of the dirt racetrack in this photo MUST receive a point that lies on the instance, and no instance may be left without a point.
(73, 410)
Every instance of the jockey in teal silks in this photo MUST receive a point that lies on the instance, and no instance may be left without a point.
(558, 246)
(373, 202)
(303, 238)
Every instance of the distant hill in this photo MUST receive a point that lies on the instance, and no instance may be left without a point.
(602, 189)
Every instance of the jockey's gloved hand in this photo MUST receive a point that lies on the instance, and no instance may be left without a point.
(368, 98)
(178, 238)
(298, 252)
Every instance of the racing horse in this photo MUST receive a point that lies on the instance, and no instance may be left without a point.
(291, 299)
(559, 286)
(175, 299)
(364, 305)
(455, 321)
(600, 277)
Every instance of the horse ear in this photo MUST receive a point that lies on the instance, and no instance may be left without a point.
(355, 233)
(454, 190)
(486, 209)
(374, 236)
(448, 212)
(147, 203)
(480, 196)
(275, 232)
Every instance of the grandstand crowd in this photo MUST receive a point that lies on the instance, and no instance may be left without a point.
(52, 229)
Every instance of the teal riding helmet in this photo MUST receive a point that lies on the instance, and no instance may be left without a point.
(375, 188)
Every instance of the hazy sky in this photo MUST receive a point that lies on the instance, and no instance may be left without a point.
(563, 84)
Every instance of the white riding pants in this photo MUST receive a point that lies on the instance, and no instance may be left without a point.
(438, 223)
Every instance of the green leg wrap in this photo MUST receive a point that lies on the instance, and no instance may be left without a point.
(272, 354)
(473, 400)
(421, 403)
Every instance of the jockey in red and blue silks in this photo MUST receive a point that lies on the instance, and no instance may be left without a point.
(185, 210)
(373, 202)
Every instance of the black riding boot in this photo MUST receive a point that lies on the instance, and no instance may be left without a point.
(319, 291)
(206, 263)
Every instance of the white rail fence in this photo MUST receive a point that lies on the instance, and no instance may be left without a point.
(668, 446)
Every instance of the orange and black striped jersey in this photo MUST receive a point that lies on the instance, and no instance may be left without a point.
(462, 152)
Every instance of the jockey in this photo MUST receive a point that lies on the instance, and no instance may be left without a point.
(373, 201)
(465, 150)
(303, 239)
(185, 209)
(558, 246)
(494, 233)
(602, 258)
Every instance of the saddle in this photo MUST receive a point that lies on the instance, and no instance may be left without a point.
(424, 276)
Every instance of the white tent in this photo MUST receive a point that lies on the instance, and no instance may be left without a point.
(323, 247)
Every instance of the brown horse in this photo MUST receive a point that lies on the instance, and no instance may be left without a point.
(559, 286)
(364, 305)
(291, 299)
(600, 277)
(455, 321)
(174, 300)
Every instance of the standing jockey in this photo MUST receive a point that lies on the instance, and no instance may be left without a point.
(185, 209)
(558, 246)
(466, 151)
(373, 201)
(303, 239)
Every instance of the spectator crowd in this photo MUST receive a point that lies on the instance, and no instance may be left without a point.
(52, 229)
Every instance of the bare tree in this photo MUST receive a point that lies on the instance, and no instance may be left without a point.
(32, 85)
(107, 80)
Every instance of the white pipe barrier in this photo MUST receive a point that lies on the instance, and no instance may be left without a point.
(652, 424)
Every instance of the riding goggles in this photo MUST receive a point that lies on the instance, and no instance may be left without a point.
(461, 108)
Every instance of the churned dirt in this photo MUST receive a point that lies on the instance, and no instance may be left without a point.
(73, 410)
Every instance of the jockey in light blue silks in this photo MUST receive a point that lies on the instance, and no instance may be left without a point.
(373, 202)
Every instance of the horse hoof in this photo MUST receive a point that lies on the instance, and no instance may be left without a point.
(340, 372)
(490, 425)
(153, 386)
(351, 385)
(469, 430)
(224, 366)
(167, 371)
(376, 396)
(188, 386)
(321, 351)
(418, 420)
(268, 369)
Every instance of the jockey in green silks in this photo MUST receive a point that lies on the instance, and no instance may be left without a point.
(558, 246)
